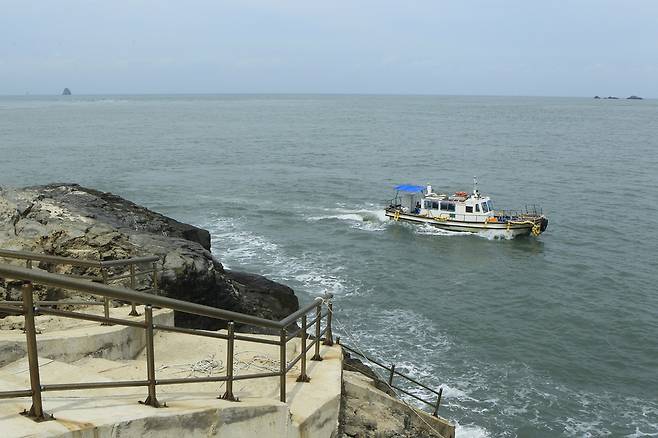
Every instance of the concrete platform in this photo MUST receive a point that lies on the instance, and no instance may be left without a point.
(67, 339)
(193, 409)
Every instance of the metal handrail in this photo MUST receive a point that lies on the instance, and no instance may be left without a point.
(29, 310)
(393, 372)
(103, 265)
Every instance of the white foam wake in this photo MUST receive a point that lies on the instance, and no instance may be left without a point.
(362, 219)
(239, 247)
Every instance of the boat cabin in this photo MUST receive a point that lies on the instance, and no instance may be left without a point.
(422, 201)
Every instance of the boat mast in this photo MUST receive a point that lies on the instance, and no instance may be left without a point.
(476, 192)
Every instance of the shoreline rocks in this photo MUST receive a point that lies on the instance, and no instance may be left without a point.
(73, 221)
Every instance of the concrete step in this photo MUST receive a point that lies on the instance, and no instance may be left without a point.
(193, 409)
(68, 340)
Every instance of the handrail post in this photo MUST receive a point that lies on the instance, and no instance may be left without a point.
(28, 264)
(36, 411)
(390, 377)
(133, 310)
(155, 278)
(318, 314)
(283, 365)
(329, 336)
(151, 400)
(228, 395)
(106, 300)
(303, 377)
(438, 402)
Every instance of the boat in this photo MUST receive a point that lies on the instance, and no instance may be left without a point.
(462, 212)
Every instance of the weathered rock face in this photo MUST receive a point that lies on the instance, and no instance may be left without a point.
(72, 221)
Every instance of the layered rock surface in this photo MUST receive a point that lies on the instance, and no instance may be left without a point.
(73, 221)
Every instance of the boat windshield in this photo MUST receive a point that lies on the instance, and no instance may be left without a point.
(485, 207)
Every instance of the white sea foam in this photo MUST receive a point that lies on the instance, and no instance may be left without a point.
(471, 431)
(363, 219)
(241, 247)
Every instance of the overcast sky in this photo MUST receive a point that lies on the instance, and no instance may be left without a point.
(513, 47)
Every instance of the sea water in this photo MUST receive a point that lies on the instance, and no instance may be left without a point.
(531, 337)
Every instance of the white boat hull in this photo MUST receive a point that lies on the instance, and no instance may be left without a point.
(511, 229)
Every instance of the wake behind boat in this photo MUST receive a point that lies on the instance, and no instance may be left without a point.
(462, 211)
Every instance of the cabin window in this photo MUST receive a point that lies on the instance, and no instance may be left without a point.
(435, 205)
(490, 205)
(447, 206)
(484, 207)
(469, 209)
(477, 208)
(428, 205)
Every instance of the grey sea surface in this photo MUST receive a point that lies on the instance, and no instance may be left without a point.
(546, 337)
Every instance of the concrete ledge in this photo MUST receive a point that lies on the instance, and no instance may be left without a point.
(385, 413)
(194, 409)
(72, 339)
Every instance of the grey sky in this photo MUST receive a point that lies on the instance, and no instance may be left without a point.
(514, 47)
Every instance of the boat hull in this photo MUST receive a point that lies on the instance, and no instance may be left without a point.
(511, 229)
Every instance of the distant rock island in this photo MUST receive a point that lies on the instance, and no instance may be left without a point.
(66, 92)
(633, 97)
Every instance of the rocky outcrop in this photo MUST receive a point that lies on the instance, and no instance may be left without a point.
(367, 412)
(66, 92)
(72, 221)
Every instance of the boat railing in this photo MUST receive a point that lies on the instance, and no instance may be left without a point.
(308, 318)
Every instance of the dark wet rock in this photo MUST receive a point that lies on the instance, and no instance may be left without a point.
(634, 97)
(264, 297)
(73, 221)
(66, 92)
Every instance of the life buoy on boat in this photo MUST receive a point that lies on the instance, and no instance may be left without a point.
(492, 220)
(461, 194)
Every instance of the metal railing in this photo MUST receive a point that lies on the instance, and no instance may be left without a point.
(392, 372)
(320, 307)
(108, 272)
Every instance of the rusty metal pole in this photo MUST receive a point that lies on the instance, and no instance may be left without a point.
(228, 395)
(438, 403)
(318, 320)
(36, 411)
(155, 278)
(151, 400)
(106, 300)
(133, 310)
(390, 377)
(303, 377)
(283, 365)
(329, 336)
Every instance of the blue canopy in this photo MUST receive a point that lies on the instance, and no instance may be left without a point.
(410, 188)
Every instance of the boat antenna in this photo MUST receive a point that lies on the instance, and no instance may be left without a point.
(476, 192)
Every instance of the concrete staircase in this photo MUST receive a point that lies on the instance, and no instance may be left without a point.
(71, 351)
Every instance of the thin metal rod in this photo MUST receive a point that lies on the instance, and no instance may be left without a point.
(329, 338)
(390, 376)
(125, 294)
(282, 369)
(87, 317)
(93, 385)
(154, 278)
(106, 300)
(36, 410)
(151, 400)
(438, 403)
(397, 388)
(303, 377)
(228, 395)
(255, 376)
(318, 320)
(133, 306)
(14, 394)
